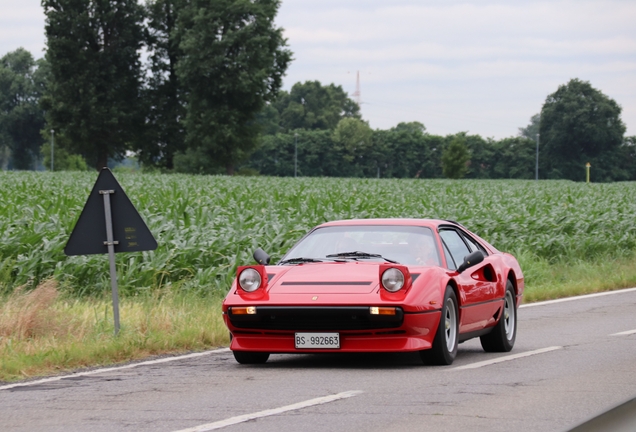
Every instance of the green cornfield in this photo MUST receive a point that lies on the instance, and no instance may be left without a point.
(207, 225)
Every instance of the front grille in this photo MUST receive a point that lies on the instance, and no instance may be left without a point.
(316, 318)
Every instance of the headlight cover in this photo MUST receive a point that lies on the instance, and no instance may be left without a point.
(392, 280)
(249, 280)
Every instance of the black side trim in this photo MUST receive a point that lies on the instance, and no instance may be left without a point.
(463, 337)
(481, 303)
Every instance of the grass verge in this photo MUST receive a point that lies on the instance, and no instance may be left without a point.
(44, 333)
(545, 281)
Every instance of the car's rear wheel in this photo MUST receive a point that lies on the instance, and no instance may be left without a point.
(503, 335)
(249, 357)
(444, 347)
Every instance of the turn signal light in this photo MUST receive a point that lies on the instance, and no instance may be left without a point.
(246, 310)
(376, 310)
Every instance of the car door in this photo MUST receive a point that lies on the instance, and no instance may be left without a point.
(476, 285)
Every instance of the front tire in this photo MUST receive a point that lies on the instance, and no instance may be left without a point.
(503, 335)
(444, 348)
(249, 357)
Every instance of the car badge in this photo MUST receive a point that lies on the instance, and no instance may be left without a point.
(314, 298)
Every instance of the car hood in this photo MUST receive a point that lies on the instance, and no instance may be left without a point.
(327, 278)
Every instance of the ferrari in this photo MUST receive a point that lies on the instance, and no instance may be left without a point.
(376, 285)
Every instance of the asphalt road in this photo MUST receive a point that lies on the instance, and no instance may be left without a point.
(572, 360)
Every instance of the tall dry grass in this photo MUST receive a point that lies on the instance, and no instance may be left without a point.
(43, 332)
(30, 314)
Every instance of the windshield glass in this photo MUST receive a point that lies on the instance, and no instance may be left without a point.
(409, 245)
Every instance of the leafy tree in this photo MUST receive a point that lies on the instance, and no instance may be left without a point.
(22, 80)
(455, 158)
(310, 105)
(353, 138)
(93, 96)
(515, 158)
(628, 158)
(579, 124)
(403, 151)
(195, 161)
(233, 61)
(316, 155)
(410, 152)
(532, 129)
(413, 128)
(268, 120)
(164, 134)
(482, 154)
(62, 159)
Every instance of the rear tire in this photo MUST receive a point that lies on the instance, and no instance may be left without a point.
(503, 335)
(445, 343)
(249, 357)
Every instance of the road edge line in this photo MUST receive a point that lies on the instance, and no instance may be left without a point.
(581, 297)
(114, 368)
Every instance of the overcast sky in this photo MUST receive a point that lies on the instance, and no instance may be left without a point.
(479, 66)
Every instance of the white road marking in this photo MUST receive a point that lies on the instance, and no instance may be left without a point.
(625, 333)
(270, 412)
(116, 368)
(507, 358)
(582, 297)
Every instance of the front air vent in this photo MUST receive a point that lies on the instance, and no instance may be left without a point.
(316, 318)
(349, 283)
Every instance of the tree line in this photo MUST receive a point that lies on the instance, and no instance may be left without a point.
(212, 66)
(208, 99)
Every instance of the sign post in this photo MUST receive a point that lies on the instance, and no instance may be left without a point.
(109, 223)
(587, 169)
(110, 243)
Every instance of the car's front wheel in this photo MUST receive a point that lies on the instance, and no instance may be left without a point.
(445, 343)
(249, 357)
(503, 335)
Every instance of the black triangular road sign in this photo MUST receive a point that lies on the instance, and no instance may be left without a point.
(129, 230)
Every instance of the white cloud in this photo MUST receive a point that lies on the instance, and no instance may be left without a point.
(21, 25)
(483, 65)
(498, 59)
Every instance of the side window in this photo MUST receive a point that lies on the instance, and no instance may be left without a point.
(449, 259)
(455, 245)
(473, 245)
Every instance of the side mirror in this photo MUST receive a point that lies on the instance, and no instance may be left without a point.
(471, 260)
(261, 256)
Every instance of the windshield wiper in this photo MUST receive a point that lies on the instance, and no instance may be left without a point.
(299, 260)
(358, 254)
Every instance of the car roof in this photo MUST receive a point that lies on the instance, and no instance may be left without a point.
(431, 223)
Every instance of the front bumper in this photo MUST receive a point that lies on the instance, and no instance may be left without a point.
(415, 332)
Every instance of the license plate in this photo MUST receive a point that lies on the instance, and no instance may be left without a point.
(317, 340)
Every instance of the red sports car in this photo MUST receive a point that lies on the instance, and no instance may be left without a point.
(376, 285)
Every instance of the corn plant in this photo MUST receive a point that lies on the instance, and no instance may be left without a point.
(208, 225)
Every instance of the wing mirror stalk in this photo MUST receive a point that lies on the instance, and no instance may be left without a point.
(261, 256)
(471, 260)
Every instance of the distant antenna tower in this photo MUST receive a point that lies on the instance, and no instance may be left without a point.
(356, 94)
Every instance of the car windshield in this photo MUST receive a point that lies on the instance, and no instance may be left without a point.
(409, 245)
